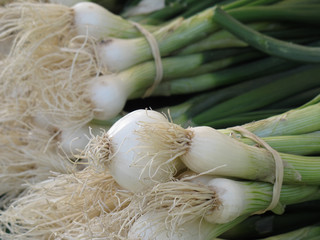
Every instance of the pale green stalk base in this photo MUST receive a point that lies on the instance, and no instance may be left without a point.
(304, 144)
(224, 39)
(293, 122)
(206, 150)
(258, 196)
(301, 169)
(140, 77)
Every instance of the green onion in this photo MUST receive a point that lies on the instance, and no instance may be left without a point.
(224, 39)
(109, 93)
(223, 77)
(219, 200)
(295, 100)
(242, 118)
(183, 113)
(119, 54)
(267, 44)
(272, 92)
(296, 121)
(84, 18)
(315, 100)
(156, 12)
(301, 144)
(145, 148)
(128, 157)
(204, 149)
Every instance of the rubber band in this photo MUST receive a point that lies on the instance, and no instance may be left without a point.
(156, 55)
(279, 166)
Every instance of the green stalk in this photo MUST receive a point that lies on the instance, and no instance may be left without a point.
(258, 196)
(225, 39)
(304, 14)
(292, 32)
(307, 167)
(206, 149)
(136, 81)
(223, 77)
(220, 39)
(297, 2)
(141, 76)
(197, 7)
(302, 144)
(296, 100)
(236, 56)
(264, 95)
(213, 149)
(170, 10)
(293, 122)
(254, 197)
(226, 62)
(298, 170)
(160, 16)
(263, 2)
(238, 4)
(184, 9)
(245, 117)
(119, 55)
(185, 111)
(313, 101)
(265, 43)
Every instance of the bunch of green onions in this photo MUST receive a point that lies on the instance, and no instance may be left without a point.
(119, 58)
(135, 154)
(81, 65)
(159, 146)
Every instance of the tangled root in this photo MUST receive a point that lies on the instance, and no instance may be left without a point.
(62, 205)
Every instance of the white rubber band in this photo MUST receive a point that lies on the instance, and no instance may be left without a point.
(279, 166)
(156, 55)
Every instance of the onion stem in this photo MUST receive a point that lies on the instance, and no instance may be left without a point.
(204, 149)
(223, 77)
(265, 43)
(217, 200)
(302, 144)
(272, 92)
(110, 92)
(293, 122)
(119, 54)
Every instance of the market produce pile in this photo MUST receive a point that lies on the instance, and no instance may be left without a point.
(147, 119)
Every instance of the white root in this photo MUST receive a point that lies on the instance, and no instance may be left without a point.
(63, 204)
